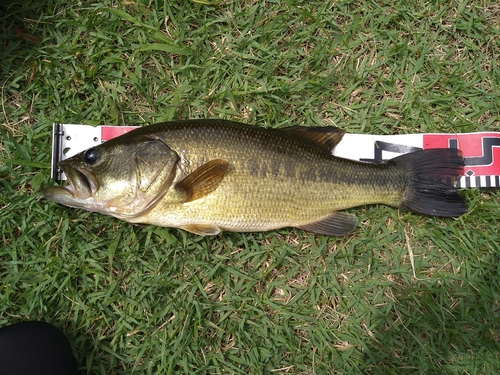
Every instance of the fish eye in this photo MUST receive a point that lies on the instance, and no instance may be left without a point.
(92, 155)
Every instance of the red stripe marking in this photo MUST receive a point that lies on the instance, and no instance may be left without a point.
(110, 132)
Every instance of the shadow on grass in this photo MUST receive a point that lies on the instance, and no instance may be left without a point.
(448, 327)
(18, 29)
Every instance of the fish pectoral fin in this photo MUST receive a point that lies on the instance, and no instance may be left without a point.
(203, 180)
(326, 137)
(337, 224)
(202, 229)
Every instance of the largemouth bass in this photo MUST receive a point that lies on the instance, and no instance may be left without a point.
(207, 176)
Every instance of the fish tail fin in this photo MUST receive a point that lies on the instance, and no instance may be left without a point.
(431, 188)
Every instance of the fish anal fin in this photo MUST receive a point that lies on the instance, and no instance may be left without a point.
(337, 224)
(202, 229)
(326, 137)
(203, 180)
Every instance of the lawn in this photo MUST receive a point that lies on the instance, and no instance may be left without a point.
(403, 294)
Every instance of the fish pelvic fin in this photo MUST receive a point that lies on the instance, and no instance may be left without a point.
(203, 180)
(326, 137)
(202, 229)
(431, 188)
(336, 224)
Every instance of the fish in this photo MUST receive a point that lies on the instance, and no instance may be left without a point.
(206, 176)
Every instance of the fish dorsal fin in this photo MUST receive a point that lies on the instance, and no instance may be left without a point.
(203, 180)
(327, 137)
(337, 224)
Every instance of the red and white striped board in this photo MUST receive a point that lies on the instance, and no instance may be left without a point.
(481, 150)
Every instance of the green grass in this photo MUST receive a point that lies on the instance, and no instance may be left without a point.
(403, 294)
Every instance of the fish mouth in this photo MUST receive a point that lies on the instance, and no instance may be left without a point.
(82, 185)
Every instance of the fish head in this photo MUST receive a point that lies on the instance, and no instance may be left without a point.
(124, 177)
